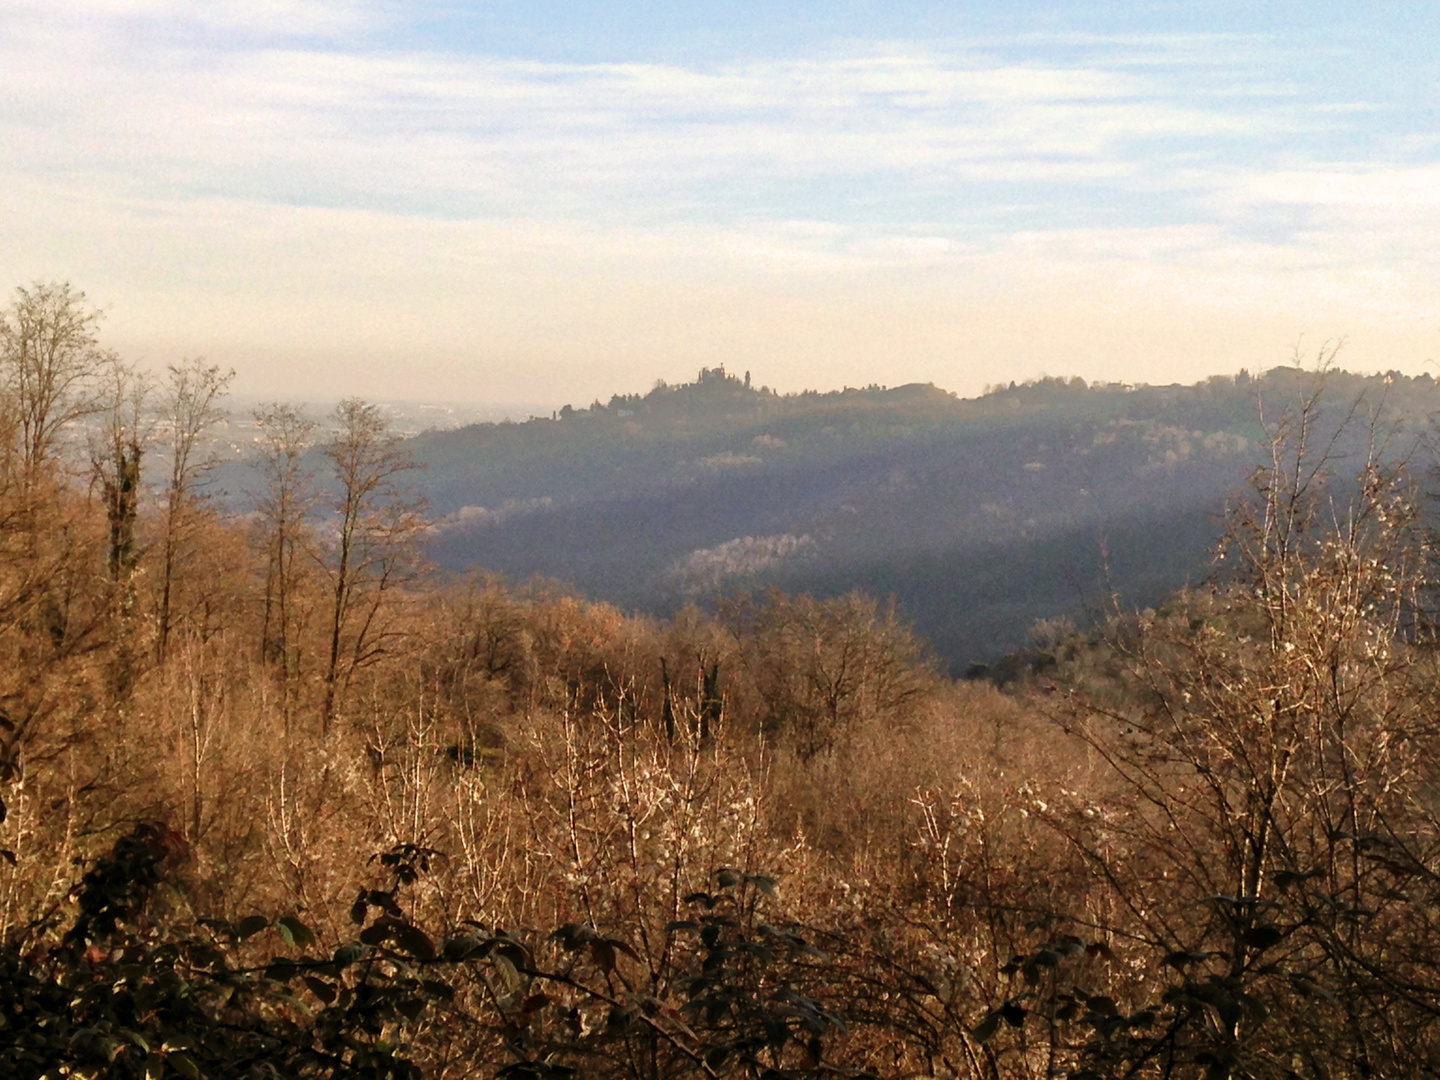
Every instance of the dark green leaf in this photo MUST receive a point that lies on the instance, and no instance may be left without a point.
(413, 940)
(513, 951)
(573, 935)
(321, 989)
(1102, 1004)
(250, 926)
(455, 949)
(294, 931)
(986, 1029)
(763, 882)
(603, 953)
(281, 970)
(1262, 937)
(385, 901)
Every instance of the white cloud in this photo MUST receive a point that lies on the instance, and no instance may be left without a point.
(464, 136)
(410, 222)
(287, 18)
(1397, 190)
(305, 300)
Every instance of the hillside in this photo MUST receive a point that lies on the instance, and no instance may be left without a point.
(979, 516)
(274, 800)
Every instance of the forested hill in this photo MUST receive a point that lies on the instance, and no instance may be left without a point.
(979, 516)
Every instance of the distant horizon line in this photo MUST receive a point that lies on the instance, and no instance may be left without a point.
(534, 410)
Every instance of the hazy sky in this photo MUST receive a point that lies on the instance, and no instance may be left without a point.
(519, 200)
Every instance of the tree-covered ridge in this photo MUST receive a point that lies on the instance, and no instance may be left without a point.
(980, 516)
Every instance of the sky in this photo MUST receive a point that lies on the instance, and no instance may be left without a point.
(533, 201)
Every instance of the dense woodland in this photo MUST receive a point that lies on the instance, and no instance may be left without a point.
(281, 801)
(980, 516)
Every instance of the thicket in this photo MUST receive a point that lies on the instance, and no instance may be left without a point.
(278, 803)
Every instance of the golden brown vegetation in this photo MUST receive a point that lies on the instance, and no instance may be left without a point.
(771, 842)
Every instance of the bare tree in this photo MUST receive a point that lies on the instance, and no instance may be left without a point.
(191, 406)
(50, 360)
(1270, 830)
(54, 607)
(378, 527)
(822, 668)
(50, 364)
(285, 506)
(51, 371)
(116, 452)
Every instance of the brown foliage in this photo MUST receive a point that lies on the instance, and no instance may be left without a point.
(1209, 847)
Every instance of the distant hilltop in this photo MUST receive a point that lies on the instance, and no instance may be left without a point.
(718, 391)
(980, 516)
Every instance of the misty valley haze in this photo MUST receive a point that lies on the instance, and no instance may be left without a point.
(979, 516)
(1047, 500)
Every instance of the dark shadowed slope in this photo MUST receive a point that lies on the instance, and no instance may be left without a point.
(979, 516)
